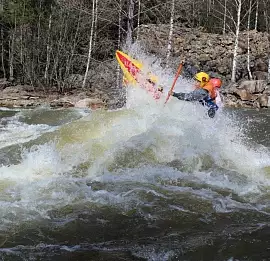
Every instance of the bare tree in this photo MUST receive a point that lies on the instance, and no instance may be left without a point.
(118, 70)
(248, 40)
(234, 64)
(90, 43)
(256, 15)
(266, 16)
(224, 16)
(73, 48)
(169, 47)
(268, 78)
(3, 52)
(48, 50)
(96, 23)
(130, 22)
(138, 21)
(11, 49)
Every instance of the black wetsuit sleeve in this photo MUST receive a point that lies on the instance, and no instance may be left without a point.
(179, 95)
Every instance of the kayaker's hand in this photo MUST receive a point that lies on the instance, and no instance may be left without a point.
(160, 88)
(170, 92)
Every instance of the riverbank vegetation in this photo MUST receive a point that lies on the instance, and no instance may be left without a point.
(65, 43)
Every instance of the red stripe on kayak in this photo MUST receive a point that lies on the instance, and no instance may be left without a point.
(131, 67)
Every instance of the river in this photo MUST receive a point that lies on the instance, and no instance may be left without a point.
(146, 182)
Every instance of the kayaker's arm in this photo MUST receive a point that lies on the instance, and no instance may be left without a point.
(179, 95)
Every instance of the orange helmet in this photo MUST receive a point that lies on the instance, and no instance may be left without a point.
(216, 82)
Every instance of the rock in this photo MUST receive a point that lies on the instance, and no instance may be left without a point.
(4, 84)
(26, 97)
(267, 90)
(259, 75)
(245, 95)
(90, 103)
(260, 86)
(204, 58)
(253, 86)
(263, 100)
(249, 86)
(230, 88)
(59, 103)
(11, 90)
(230, 103)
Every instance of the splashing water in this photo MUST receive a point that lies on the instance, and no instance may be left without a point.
(169, 169)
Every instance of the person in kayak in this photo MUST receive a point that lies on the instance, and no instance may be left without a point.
(205, 92)
(204, 89)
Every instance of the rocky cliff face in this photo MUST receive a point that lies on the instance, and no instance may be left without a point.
(213, 54)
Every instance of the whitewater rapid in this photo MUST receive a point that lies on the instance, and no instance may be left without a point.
(146, 160)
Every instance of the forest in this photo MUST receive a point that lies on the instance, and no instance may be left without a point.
(44, 43)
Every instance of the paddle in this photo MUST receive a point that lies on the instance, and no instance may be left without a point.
(175, 79)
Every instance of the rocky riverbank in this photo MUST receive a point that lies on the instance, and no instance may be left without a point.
(202, 51)
(25, 96)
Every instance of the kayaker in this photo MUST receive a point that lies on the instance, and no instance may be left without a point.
(205, 92)
(204, 89)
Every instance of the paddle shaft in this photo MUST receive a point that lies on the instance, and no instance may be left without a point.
(175, 79)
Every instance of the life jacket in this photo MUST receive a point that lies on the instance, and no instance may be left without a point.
(211, 90)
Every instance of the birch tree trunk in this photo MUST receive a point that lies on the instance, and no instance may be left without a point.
(70, 58)
(11, 57)
(96, 20)
(130, 22)
(234, 64)
(256, 16)
(138, 22)
(22, 44)
(21, 36)
(11, 49)
(268, 78)
(224, 16)
(169, 47)
(118, 70)
(248, 42)
(3, 53)
(48, 50)
(90, 44)
(38, 40)
(266, 17)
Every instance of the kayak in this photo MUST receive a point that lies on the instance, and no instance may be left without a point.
(135, 75)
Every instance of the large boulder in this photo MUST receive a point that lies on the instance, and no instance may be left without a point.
(90, 103)
(247, 93)
(254, 86)
(263, 100)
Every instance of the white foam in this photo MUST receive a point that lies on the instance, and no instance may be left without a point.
(47, 178)
(16, 132)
